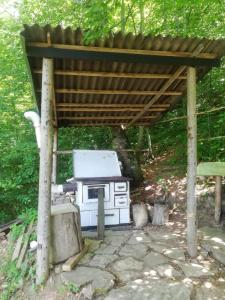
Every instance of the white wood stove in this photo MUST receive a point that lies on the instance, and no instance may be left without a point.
(100, 168)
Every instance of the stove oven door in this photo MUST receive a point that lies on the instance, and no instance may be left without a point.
(90, 195)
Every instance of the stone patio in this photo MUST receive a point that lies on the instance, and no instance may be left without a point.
(149, 264)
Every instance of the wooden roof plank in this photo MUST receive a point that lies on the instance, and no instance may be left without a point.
(116, 92)
(112, 74)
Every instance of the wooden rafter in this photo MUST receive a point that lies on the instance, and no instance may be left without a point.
(108, 105)
(163, 89)
(105, 124)
(106, 109)
(116, 92)
(112, 74)
(103, 118)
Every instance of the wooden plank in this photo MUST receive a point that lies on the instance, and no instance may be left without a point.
(181, 54)
(25, 245)
(211, 169)
(101, 214)
(70, 264)
(62, 209)
(117, 92)
(18, 246)
(89, 109)
(105, 124)
(112, 105)
(192, 163)
(112, 74)
(218, 200)
(104, 118)
(163, 89)
(6, 226)
(45, 171)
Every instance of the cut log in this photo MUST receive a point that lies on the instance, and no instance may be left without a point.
(63, 209)
(140, 215)
(70, 264)
(65, 236)
(160, 214)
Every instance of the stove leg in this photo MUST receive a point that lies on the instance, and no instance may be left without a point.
(101, 214)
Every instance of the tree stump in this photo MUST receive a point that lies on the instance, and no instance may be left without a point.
(66, 237)
(160, 214)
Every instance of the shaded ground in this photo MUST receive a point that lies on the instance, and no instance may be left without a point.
(141, 264)
(151, 263)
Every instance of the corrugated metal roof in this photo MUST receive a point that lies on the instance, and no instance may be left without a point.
(106, 85)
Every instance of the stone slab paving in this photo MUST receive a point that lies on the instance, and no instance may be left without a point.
(148, 264)
(213, 240)
(208, 291)
(152, 289)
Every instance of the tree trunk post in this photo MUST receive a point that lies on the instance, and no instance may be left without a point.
(218, 200)
(192, 162)
(101, 214)
(45, 171)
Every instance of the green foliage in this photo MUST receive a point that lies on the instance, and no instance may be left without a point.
(18, 153)
(14, 277)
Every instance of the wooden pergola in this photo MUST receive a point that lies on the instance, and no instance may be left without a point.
(121, 80)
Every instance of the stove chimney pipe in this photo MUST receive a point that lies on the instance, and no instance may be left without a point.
(36, 120)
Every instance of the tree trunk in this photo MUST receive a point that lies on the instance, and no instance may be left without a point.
(45, 171)
(192, 163)
(130, 165)
(139, 144)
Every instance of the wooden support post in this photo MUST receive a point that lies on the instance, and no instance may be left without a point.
(101, 214)
(218, 200)
(192, 162)
(44, 199)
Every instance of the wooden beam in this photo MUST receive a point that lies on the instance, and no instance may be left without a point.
(181, 54)
(218, 199)
(165, 86)
(117, 92)
(112, 74)
(101, 214)
(104, 118)
(122, 109)
(104, 124)
(116, 105)
(192, 163)
(161, 92)
(45, 170)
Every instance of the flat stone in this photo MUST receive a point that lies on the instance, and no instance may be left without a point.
(118, 232)
(86, 259)
(81, 276)
(158, 246)
(162, 235)
(209, 292)
(102, 261)
(115, 240)
(106, 249)
(175, 253)
(127, 269)
(139, 237)
(137, 251)
(213, 241)
(128, 264)
(195, 270)
(167, 270)
(150, 289)
(153, 259)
